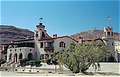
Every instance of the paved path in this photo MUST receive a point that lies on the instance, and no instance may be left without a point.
(107, 69)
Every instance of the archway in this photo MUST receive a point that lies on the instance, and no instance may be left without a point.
(10, 56)
(20, 56)
(15, 57)
(30, 56)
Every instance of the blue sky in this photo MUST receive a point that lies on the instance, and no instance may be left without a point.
(61, 17)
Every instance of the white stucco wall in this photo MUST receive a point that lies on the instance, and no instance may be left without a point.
(24, 50)
(38, 49)
(117, 49)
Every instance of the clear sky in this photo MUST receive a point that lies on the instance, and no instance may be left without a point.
(61, 17)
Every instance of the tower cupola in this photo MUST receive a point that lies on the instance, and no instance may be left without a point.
(40, 32)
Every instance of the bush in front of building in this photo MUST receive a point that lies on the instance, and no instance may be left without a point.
(2, 61)
(26, 62)
(78, 58)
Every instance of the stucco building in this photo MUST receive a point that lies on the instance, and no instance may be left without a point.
(41, 47)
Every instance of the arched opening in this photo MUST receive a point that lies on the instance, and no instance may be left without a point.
(10, 56)
(111, 59)
(20, 56)
(43, 34)
(30, 56)
(15, 57)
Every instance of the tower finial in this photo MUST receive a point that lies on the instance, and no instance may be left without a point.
(41, 19)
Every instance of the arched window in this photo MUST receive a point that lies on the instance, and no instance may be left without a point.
(20, 56)
(15, 57)
(108, 33)
(30, 56)
(62, 44)
(36, 34)
(10, 56)
(43, 34)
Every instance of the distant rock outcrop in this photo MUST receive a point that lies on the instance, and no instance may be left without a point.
(92, 34)
(11, 33)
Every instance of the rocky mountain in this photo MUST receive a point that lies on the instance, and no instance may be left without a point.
(92, 34)
(11, 33)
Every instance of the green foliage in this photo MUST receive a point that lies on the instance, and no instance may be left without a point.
(80, 57)
(25, 62)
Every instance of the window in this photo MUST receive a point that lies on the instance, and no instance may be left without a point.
(42, 56)
(50, 44)
(108, 33)
(30, 49)
(112, 43)
(46, 56)
(112, 33)
(62, 44)
(43, 34)
(36, 34)
(41, 45)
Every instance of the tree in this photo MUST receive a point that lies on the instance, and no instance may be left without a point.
(58, 59)
(80, 57)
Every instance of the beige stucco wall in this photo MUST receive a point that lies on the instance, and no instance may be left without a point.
(66, 40)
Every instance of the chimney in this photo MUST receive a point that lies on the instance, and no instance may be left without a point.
(55, 36)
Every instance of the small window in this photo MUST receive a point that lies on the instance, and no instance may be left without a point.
(15, 49)
(30, 49)
(112, 43)
(62, 44)
(41, 45)
(36, 34)
(112, 33)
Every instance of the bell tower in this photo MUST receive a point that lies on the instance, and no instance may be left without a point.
(40, 32)
(40, 38)
(109, 41)
(108, 32)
